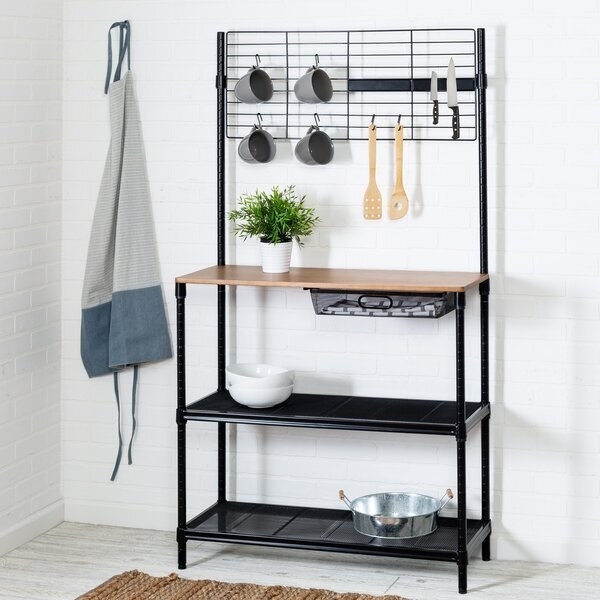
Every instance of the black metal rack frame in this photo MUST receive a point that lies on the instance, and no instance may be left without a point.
(325, 529)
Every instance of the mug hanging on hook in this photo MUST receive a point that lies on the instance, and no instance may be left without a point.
(255, 86)
(258, 146)
(316, 147)
(314, 86)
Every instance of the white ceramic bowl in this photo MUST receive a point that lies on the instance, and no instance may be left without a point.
(259, 375)
(259, 397)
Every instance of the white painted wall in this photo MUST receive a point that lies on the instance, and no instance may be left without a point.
(30, 276)
(544, 257)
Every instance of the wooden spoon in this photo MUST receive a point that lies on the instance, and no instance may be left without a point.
(372, 197)
(399, 200)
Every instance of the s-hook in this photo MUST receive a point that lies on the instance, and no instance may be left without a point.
(317, 119)
(257, 58)
(316, 61)
(259, 119)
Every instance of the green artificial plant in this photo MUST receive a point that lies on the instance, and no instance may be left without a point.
(276, 216)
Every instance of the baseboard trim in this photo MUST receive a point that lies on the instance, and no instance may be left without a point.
(32, 526)
(121, 516)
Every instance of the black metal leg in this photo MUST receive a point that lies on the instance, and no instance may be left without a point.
(181, 506)
(181, 555)
(180, 293)
(221, 462)
(462, 578)
(461, 439)
(484, 291)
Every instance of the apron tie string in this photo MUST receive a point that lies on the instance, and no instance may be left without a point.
(133, 419)
(118, 460)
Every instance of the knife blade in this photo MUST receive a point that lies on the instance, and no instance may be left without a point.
(434, 97)
(453, 99)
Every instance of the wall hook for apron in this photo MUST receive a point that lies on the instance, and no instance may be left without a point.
(123, 320)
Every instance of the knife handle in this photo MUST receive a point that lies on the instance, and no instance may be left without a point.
(436, 112)
(455, 123)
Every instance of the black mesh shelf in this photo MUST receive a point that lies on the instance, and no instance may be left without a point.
(341, 412)
(323, 529)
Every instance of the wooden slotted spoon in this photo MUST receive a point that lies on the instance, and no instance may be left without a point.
(372, 197)
(399, 200)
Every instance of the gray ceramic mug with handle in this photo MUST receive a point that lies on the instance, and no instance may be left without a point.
(258, 146)
(316, 147)
(314, 86)
(255, 86)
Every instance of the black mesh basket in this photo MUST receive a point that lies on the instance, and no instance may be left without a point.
(381, 304)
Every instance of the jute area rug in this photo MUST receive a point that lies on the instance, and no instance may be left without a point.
(134, 585)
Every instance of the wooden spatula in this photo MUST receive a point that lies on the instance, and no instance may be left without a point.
(399, 200)
(372, 197)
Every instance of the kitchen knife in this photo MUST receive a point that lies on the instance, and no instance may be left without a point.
(453, 99)
(434, 97)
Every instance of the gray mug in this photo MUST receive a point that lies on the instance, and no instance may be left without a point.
(258, 146)
(254, 87)
(314, 86)
(315, 148)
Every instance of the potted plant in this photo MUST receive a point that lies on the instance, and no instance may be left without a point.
(276, 217)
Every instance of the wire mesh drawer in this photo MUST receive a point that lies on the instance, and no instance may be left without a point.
(381, 304)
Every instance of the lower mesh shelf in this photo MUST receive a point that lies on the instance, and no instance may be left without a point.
(325, 529)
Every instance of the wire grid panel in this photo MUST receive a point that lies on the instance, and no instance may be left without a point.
(385, 75)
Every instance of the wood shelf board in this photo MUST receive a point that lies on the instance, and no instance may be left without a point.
(338, 279)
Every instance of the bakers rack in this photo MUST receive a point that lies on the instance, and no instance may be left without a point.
(362, 89)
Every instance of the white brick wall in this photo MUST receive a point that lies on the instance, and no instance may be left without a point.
(30, 278)
(544, 134)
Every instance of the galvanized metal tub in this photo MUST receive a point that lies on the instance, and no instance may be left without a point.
(396, 514)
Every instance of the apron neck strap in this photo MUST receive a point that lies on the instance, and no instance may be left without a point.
(124, 48)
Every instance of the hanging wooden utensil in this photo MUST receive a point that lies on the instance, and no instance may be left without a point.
(399, 200)
(372, 197)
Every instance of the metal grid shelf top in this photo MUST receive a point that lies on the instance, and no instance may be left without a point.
(380, 73)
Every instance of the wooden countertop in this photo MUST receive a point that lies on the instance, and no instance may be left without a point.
(338, 279)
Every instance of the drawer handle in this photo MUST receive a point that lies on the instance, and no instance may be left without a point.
(363, 302)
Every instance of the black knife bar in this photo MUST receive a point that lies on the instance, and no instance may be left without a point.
(385, 74)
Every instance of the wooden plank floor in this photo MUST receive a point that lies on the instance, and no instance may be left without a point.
(73, 558)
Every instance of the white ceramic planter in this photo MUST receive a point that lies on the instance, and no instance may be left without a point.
(276, 257)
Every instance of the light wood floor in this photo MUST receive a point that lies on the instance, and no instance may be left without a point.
(73, 558)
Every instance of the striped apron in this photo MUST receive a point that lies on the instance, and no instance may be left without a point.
(123, 319)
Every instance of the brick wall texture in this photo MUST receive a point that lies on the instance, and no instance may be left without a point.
(30, 242)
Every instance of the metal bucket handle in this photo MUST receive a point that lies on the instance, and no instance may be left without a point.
(346, 500)
(448, 495)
